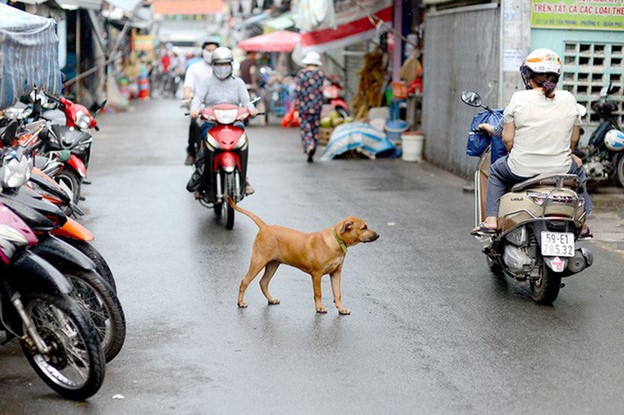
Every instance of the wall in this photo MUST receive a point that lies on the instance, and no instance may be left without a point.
(591, 60)
(461, 53)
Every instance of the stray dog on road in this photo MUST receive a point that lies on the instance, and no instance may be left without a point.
(316, 253)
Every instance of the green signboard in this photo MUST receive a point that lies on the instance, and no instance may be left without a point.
(578, 14)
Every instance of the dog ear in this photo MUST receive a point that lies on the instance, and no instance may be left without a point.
(347, 225)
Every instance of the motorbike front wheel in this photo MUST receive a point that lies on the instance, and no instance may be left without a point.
(344, 113)
(619, 168)
(545, 289)
(101, 266)
(494, 267)
(228, 211)
(74, 366)
(99, 302)
(72, 180)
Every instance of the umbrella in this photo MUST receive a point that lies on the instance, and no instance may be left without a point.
(282, 41)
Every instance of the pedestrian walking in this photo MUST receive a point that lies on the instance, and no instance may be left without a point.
(309, 100)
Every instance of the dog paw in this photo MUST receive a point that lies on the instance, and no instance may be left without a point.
(242, 304)
(321, 310)
(344, 311)
(274, 301)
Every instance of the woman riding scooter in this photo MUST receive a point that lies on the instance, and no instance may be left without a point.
(541, 127)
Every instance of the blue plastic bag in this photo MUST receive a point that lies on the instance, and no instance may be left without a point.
(478, 141)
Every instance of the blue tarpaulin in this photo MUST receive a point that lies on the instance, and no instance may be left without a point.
(361, 137)
(28, 55)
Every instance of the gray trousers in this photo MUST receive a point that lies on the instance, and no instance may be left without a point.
(501, 178)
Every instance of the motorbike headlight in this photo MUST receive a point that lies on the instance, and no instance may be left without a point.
(212, 143)
(226, 116)
(15, 173)
(82, 120)
(537, 197)
(8, 233)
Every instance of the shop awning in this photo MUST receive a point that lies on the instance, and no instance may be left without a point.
(353, 25)
(28, 55)
(282, 41)
(69, 4)
(168, 7)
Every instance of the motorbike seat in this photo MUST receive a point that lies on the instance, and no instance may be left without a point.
(571, 181)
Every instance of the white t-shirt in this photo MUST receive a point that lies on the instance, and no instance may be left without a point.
(196, 73)
(543, 132)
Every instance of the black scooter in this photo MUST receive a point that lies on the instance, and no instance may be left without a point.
(600, 162)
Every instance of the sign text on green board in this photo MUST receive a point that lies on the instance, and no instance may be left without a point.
(578, 14)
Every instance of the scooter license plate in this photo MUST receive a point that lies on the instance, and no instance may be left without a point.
(558, 244)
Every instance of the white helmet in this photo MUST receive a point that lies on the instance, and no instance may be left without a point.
(221, 56)
(614, 140)
(540, 61)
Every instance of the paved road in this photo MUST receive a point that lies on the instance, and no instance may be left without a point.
(431, 330)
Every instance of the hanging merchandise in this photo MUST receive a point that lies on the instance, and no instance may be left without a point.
(372, 76)
(311, 14)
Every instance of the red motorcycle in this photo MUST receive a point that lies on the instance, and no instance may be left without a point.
(333, 92)
(73, 134)
(222, 167)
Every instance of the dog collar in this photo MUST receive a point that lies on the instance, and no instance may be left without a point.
(340, 241)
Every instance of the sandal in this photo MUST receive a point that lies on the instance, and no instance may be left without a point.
(482, 229)
(586, 234)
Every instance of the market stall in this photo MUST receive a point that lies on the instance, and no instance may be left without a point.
(28, 55)
(281, 41)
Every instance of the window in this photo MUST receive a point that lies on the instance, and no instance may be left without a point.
(587, 68)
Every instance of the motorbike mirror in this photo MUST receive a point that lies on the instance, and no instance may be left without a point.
(606, 90)
(8, 135)
(253, 101)
(99, 107)
(471, 98)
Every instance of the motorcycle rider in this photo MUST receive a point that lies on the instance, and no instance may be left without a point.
(221, 88)
(195, 73)
(540, 130)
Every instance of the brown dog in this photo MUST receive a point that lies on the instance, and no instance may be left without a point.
(316, 253)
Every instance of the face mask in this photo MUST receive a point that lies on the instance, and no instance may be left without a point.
(207, 55)
(222, 72)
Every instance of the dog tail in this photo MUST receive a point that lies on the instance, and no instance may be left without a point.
(253, 217)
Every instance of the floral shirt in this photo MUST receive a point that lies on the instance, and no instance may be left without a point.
(308, 93)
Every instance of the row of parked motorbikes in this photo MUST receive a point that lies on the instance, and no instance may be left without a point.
(541, 219)
(58, 295)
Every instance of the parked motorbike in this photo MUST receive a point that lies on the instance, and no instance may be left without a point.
(64, 139)
(91, 292)
(56, 337)
(333, 92)
(59, 194)
(78, 122)
(540, 220)
(73, 135)
(603, 157)
(226, 174)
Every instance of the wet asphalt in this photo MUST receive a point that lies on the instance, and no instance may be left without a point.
(431, 330)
